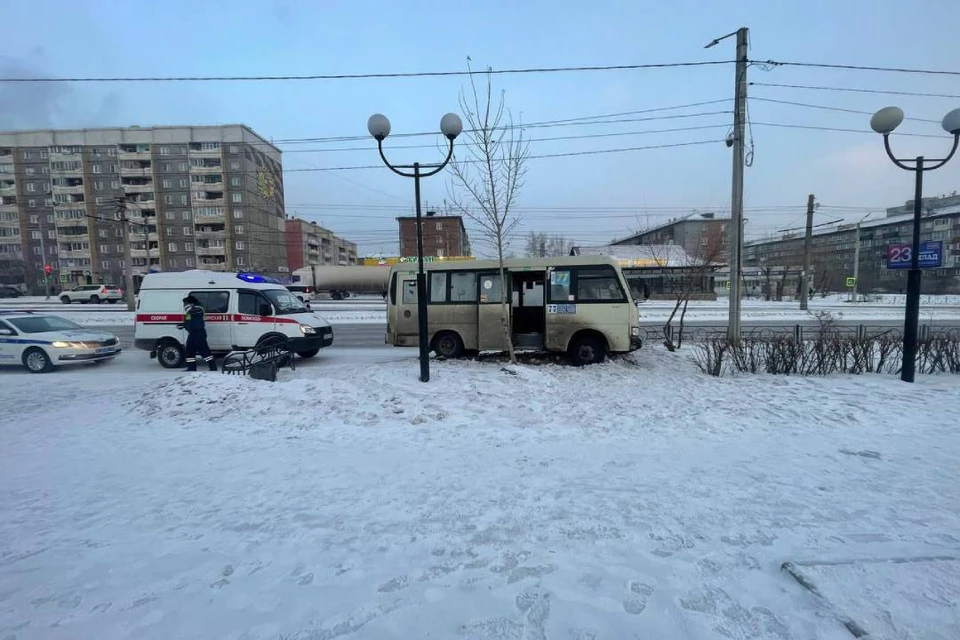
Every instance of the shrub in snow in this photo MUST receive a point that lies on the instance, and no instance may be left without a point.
(830, 353)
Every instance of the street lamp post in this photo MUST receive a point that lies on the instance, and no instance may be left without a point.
(884, 122)
(450, 126)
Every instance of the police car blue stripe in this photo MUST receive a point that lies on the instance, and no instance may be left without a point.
(24, 341)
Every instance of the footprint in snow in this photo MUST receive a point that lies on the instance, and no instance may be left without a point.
(636, 599)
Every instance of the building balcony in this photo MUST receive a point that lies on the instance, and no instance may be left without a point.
(8, 208)
(71, 238)
(129, 172)
(76, 189)
(212, 251)
(212, 263)
(209, 218)
(138, 188)
(56, 156)
(10, 224)
(206, 169)
(199, 202)
(8, 189)
(76, 204)
(7, 240)
(210, 235)
(138, 253)
(204, 153)
(213, 182)
(133, 155)
(73, 255)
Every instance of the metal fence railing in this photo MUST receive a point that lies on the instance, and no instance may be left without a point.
(700, 333)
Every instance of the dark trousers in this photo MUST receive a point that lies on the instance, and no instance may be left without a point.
(197, 345)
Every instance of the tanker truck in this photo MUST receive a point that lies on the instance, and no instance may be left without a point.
(342, 282)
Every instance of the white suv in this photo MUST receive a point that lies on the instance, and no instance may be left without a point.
(93, 293)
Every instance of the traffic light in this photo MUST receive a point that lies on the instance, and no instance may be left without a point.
(47, 269)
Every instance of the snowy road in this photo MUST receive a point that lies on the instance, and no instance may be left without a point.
(635, 499)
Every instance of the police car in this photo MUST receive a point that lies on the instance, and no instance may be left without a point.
(42, 342)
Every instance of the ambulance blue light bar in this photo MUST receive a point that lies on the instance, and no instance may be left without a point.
(256, 277)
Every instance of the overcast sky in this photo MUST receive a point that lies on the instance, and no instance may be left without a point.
(588, 198)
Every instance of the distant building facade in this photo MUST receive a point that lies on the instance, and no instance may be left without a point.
(697, 233)
(443, 236)
(197, 197)
(659, 272)
(833, 251)
(309, 244)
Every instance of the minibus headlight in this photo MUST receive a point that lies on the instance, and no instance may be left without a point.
(306, 329)
(634, 331)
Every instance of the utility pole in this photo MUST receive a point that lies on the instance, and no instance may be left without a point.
(43, 257)
(856, 261)
(736, 206)
(127, 257)
(807, 250)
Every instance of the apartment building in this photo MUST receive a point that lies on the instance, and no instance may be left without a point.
(309, 244)
(443, 236)
(698, 233)
(195, 197)
(833, 250)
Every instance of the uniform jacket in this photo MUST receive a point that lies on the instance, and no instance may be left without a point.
(193, 320)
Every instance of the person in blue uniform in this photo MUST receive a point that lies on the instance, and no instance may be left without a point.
(194, 323)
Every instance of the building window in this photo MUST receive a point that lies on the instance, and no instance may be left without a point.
(188, 246)
(31, 187)
(168, 199)
(52, 234)
(36, 235)
(102, 233)
(235, 165)
(183, 183)
(184, 199)
(104, 248)
(237, 197)
(97, 168)
(186, 215)
(29, 170)
(240, 244)
(235, 182)
(167, 183)
(238, 229)
(114, 184)
(172, 247)
(188, 231)
(98, 185)
(164, 151)
(32, 203)
(188, 262)
(240, 261)
(439, 226)
(238, 213)
(234, 149)
(98, 200)
(182, 166)
(34, 219)
(170, 215)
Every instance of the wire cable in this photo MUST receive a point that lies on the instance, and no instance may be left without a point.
(853, 90)
(366, 76)
(855, 67)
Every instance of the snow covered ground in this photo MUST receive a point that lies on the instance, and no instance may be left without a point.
(634, 499)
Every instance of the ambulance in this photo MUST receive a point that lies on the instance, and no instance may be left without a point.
(243, 311)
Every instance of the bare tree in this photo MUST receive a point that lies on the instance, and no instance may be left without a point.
(541, 245)
(696, 273)
(489, 175)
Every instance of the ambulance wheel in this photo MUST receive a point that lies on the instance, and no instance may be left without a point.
(309, 353)
(448, 344)
(336, 295)
(170, 355)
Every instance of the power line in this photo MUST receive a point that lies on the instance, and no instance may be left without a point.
(530, 157)
(830, 108)
(854, 67)
(368, 149)
(366, 76)
(816, 128)
(853, 90)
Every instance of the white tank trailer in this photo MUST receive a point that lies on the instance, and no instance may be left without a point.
(342, 282)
